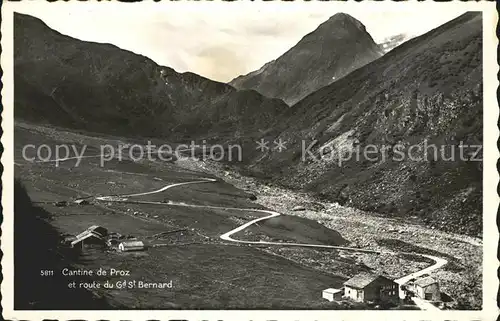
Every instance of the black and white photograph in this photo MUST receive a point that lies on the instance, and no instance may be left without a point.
(249, 156)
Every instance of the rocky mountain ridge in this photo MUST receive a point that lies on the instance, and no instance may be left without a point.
(97, 87)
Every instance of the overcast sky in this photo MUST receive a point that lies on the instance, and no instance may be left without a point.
(218, 40)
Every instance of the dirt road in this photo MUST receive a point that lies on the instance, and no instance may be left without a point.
(439, 262)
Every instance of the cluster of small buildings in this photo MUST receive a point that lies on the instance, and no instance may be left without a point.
(374, 288)
(97, 235)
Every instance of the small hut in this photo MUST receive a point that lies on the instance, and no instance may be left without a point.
(82, 202)
(128, 246)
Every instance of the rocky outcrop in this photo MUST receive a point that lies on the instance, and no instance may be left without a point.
(337, 47)
(70, 83)
(424, 93)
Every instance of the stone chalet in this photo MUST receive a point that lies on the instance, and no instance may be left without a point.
(371, 288)
(427, 288)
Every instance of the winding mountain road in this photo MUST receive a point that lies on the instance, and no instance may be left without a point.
(439, 262)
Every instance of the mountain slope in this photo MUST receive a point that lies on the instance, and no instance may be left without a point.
(99, 87)
(335, 48)
(428, 89)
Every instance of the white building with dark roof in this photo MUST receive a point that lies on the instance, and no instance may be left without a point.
(427, 288)
(369, 287)
(91, 236)
(331, 294)
(128, 246)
